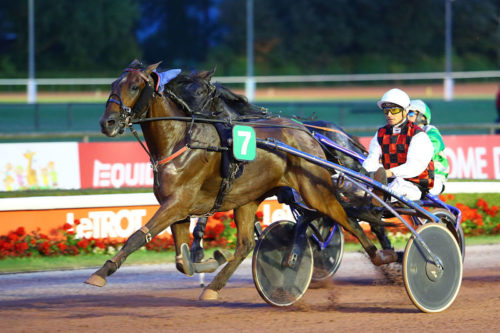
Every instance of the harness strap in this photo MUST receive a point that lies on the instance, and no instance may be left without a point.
(174, 155)
(326, 129)
(336, 131)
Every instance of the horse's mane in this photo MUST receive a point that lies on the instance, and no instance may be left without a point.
(226, 104)
(239, 102)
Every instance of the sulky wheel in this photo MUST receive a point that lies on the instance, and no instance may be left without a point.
(449, 220)
(278, 283)
(326, 260)
(430, 288)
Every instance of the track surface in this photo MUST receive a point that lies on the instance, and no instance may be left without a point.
(158, 298)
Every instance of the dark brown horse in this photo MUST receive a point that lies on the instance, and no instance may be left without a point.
(187, 180)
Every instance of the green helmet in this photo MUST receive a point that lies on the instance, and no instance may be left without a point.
(422, 108)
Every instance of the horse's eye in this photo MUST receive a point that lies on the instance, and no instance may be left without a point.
(134, 87)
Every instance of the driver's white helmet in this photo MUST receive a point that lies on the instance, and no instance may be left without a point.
(395, 96)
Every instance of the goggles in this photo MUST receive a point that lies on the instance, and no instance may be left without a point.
(392, 110)
(412, 113)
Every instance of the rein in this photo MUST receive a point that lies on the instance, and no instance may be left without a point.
(339, 132)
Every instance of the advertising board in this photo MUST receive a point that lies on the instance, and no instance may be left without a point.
(35, 166)
(113, 216)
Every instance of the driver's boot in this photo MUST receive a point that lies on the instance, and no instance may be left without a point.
(381, 177)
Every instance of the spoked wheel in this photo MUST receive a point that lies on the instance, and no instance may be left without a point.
(278, 283)
(449, 220)
(430, 288)
(326, 260)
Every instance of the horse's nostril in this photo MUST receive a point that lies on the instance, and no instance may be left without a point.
(110, 122)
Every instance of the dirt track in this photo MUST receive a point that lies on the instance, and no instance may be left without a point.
(157, 298)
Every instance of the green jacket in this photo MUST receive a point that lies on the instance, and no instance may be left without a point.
(441, 165)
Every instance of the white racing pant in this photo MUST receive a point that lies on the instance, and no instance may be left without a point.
(405, 188)
(439, 181)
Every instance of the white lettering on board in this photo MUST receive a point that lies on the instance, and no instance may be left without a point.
(271, 216)
(122, 174)
(496, 162)
(103, 224)
(469, 165)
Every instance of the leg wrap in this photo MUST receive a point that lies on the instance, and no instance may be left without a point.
(136, 241)
(197, 252)
(199, 229)
(379, 231)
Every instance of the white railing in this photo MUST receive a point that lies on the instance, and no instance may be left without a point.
(284, 78)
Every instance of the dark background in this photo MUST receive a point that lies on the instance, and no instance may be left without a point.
(100, 37)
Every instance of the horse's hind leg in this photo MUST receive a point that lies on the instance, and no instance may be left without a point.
(181, 235)
(244, 217)
(379, 231)
(320, 196)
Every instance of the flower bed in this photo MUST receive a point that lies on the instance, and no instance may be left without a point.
(481, 219)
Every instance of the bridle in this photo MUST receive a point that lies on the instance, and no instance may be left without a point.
(130, 114)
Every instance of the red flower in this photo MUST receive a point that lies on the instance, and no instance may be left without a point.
(4, 245)
(20, 231)
(67, 226)
(13, 236)
(61, 246)
(214, 228)
(100, 244)
(83, 243)
(21, 247)
(482, 204)
(220, 216)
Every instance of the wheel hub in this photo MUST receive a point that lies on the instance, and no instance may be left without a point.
(434, 273)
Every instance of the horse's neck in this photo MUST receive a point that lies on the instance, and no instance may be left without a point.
(162, 136)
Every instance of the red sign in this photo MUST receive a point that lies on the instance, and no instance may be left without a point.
(114, 164)
(469, 156)
(473, 156)
(126, 164)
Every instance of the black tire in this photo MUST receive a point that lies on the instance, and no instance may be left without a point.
(429, 288)
(279, 284)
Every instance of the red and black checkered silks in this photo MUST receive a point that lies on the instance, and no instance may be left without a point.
(395, 149)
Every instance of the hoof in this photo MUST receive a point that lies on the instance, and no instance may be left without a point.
(185, 260)
(384, 257)
(96, 280)
(208, 266)
(209, 295)
(222, 256)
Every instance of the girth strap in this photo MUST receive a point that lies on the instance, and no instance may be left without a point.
(225, 187)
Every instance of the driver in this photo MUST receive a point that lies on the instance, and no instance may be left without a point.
(420, 114)
(402, 148)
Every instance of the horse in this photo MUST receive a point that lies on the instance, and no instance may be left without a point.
(187, 180)
(216, 100)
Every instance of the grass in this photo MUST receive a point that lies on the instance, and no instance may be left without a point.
(465, 198)
(143, 257)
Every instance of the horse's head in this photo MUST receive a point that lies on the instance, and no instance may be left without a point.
(130, 96)
(195, 90)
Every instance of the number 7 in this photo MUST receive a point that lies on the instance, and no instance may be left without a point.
(246, 140)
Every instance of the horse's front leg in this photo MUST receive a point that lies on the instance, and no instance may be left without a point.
(160, 221)
(244, 218)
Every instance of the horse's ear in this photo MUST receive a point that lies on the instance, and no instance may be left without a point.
(151, 68)
(136, 63)
(207, 75)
